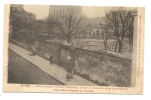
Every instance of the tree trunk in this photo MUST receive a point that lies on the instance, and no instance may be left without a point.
(130, 44)
(116, 46)
(106, 41)
(120, 47)
(105, 46)
(69, 38)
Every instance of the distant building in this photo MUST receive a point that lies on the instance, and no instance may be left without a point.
(94, 30)
(55, 10)
(96, 27)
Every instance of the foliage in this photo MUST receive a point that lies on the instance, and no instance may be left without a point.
(120, 20)
(105, 32)
(21, 23)
(67, 19)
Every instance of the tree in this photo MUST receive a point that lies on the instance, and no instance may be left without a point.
(67, 19)
(50, 24)
(21, 23)
(105, 32)
(119, 20)
(130, 36)
(89, 26)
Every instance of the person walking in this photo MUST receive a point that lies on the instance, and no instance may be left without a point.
(68, 73)
(71, 71)
(51, 59)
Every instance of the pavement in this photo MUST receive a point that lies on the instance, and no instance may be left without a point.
(53, 70)
(21, 71)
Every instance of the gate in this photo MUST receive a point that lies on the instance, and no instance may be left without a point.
(67, 56)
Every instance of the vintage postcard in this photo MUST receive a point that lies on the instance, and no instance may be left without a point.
(73, 49)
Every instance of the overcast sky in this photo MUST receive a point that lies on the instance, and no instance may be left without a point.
(42, 11)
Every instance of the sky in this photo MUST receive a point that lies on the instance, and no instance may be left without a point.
(41, 11)
(93, 11)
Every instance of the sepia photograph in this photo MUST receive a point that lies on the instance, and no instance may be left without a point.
(73, 49)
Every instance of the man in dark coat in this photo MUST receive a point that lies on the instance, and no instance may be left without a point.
(51, 59)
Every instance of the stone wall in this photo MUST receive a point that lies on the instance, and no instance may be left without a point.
(53, 48)
(47, 48)
(104, 68)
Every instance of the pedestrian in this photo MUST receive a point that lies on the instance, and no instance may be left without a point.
(67, 76)
(71, 72)
(68, 73)
(51, 59)
(69, 69)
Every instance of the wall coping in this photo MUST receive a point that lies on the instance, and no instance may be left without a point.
(69, 46)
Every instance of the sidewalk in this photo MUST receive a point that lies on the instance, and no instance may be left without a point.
(53, 70)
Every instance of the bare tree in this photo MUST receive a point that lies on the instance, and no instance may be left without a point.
(89, 26)
(67, 19)
(50, 24)
(105, 32)
(119, 20)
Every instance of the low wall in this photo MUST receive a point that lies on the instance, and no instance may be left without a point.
(53, 48)
(47, 48)
(102, 68)
(22, 45)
